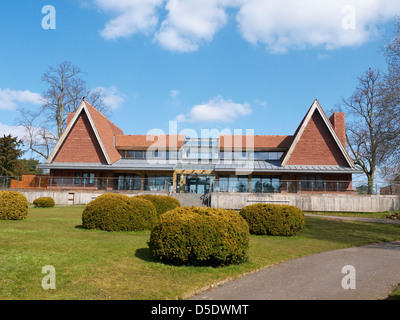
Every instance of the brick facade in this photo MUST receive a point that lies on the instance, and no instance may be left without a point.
(317, 146)
(81, 145)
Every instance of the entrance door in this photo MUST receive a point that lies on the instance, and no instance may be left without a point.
(198, 183)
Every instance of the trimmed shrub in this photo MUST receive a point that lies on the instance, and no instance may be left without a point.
(44, 202)
(274, 219)
(162, 203)
(13, 205)
(200, 236)
(117, 212)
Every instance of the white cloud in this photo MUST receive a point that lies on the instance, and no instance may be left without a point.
(9, 99)
(131, 17)
(216, 110)
(278, 25)
(15, 131)
(111, 96)
(288, 24)
(189, 23)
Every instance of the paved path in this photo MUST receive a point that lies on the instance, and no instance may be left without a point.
(319, 276)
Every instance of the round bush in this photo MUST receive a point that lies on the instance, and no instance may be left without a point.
(13, 205)
(162, 203)
(117, 212)
(44, 202)
(200, 236)
(273, 219)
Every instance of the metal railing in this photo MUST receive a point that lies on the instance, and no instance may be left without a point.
(299, 186)
(87, 183)
(165, 184)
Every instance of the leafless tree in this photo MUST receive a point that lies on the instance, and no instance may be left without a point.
(37, 139)
(64, 91)
(368, 136)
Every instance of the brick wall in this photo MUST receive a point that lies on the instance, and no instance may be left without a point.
(81, 144)
(317, 146)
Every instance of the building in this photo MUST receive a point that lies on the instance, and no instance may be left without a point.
(93, 153)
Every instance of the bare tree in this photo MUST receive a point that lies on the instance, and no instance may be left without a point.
(368, 136)
(392, 94)
(64, 91)
(37, 139)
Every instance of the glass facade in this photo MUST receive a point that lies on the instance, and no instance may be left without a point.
(233, 183)
(265, 184)
(128, 181)
(158, 181)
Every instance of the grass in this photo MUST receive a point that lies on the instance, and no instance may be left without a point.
(93, 264)
(395, 295)
(373, 215)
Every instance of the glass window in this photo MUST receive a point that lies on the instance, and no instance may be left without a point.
(91, 178)
(84, 177)
(158, 182)
(311, 182)
(268, 184)
(304, 180)
(320, 182)
(77, 177)
(223, 183)
(256, 184)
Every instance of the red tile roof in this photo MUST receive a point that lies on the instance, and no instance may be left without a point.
(143, 142)
(106, 130)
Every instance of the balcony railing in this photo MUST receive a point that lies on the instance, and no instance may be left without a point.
(87, 183)
(165, 184)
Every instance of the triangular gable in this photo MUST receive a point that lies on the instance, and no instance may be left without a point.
(107, 132)
(82, 108)
(316, 107)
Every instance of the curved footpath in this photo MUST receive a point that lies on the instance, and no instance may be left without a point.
(319, 276)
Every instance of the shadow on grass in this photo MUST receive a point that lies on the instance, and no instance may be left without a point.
(79, 226)
(144, 254)
(351, 232)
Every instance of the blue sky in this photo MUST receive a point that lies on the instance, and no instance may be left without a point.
(255, 64)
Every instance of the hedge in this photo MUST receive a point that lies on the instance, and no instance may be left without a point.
(274, 219)
(200, 236)
(44, 202)
(162, 203)
(13, 205)
(116, 212)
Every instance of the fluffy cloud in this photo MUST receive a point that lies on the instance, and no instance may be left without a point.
(216, 110)
(279, 25)
(111, 96)
(189, 23)
(9, 99)
(131, 17)
(15, 131)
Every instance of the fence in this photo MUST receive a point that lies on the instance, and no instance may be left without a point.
(166, 184)
(86, 183)
(301, 186)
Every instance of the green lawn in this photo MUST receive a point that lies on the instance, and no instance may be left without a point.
(374, 215)
(92, 264)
